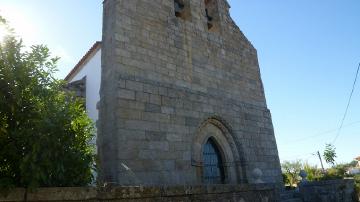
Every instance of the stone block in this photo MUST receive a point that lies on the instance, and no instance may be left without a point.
(132, 134)
(141, 125)
(142, 97)
(163, 91)
(182, 164)
(158, 145)
(126, 94)
(126, 113)
(152, 108)
(155, 99)
(151, 89)
(134, 85)
(174, 137)
(167, 110)
(190, 121)
(148, 154)
(155, 136)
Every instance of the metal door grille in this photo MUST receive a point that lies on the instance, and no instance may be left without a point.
(213, 171)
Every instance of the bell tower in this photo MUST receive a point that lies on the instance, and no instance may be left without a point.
(181, 99)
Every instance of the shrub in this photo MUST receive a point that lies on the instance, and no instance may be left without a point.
(313, 173)
(357, 183)
(291, 172)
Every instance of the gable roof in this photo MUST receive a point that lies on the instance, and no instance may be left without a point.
(91, 52)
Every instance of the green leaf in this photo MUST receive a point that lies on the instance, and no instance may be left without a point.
(330, 154)
(44, 130)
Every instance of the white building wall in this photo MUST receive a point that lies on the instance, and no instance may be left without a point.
(92, 71)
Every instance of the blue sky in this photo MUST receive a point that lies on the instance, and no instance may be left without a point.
(308, 53)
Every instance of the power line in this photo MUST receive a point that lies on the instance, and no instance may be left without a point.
(342, 120)
(348, 105)
(325, 132)
(300, 155)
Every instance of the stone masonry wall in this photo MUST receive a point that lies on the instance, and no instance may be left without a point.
(166, 82)
(258, 193)
(328, 191)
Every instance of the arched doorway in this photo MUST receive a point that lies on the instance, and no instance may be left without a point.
(213, 165)
(215, 155)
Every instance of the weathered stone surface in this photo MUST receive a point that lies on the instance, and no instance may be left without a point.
(244, 193)
(169, 84)
(328, 191)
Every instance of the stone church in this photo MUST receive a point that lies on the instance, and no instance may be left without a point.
(181, 97)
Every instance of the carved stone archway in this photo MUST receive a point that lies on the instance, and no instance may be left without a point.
(220, 132)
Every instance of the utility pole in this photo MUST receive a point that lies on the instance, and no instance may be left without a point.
(322, 165)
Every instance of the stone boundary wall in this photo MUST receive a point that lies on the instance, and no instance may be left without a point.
(328, 191)
(242, 193)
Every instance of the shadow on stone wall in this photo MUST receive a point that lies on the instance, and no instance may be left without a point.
(238, 193)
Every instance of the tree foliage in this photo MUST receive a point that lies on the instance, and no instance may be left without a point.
(357, 185)
(313, 172)
(44, 131)
(291, 170)
(330, 154)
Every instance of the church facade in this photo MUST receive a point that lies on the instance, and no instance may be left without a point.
(181, 97)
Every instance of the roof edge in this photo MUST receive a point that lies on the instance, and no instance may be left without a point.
(96, 46)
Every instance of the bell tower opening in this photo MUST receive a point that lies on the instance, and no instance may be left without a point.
(182, 9)
(212, 15)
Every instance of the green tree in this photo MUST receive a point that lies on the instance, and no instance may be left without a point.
(44, 131)
(291, 170)
(313, 172)
(330, 154)
(352, 164)
(357, 185)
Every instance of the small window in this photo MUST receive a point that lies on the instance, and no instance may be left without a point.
(179, 8)
(213, 169)
(211, 13)
(182, 9)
